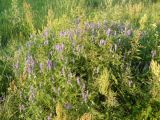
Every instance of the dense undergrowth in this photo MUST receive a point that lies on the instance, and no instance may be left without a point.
(87, 60)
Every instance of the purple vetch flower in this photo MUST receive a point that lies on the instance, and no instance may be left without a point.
(49, 64)
(63, 33)
(108, 32)
(153, 53)
(85, 96)
(29, 64)
(102, 42)
(46, 33)
(17, 64)
(59, 47)
(128, 33)
(68, 106)
(31, 94)
(49, 117)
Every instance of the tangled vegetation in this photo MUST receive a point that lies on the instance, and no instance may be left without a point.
(80, 60)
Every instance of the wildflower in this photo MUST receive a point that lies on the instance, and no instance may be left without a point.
(102, 43)
(30, 64)
(128, 33)
(46, 33)
(49, 117)
(68, 106)
(31, 94)
(59, 47)
(108, 32)
(17, 64)
(62, 33)
(49, 64)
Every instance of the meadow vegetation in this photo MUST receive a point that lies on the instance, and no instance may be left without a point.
(79, 59)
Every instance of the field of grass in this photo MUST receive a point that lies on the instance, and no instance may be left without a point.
(79, 60)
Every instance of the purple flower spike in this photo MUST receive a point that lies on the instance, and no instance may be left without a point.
(17, 65)
(59, 47)
(46, 33)
(108, 32)
(128, 32)
(49, 118)
(49, 64)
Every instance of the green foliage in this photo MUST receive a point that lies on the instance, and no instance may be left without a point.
(81, 59)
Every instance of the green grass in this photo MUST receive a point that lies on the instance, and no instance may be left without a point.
(79, 59)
